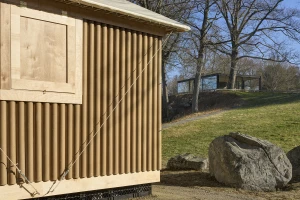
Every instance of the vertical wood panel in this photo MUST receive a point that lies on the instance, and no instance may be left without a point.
(12, 143)
(155, 85)
(122, 103)
(144, 106)
(44, 138)
(83, 157)
(46, 143)
(69, 139)
(128, 102)
(77, 133)
(133, 69)
(5, 46)
(103, 102)
(38, 142)
(3, 142)
(30, 143)
(97, 163)
(110, 100)
(116, 99)
(91, 96)
(139, 102)
(149, 70)
(54, 142)
(62, 139)
(159, 103)
(21, 138)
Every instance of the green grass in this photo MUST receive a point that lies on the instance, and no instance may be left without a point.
(271, 116)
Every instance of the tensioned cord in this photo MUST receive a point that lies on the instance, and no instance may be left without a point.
(67, 170)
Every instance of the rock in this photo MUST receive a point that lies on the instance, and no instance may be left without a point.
(294, 157)
(246, 162)
(187, 162)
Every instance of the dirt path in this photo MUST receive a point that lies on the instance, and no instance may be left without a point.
(200, 185)
(193, 118)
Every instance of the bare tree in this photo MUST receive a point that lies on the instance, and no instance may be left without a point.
(175, 9)
(201, 21)
(251, 30)
(280, 77)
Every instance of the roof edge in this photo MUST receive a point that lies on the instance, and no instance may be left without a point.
(174, 26)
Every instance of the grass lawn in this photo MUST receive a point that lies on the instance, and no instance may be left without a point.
(271, 116)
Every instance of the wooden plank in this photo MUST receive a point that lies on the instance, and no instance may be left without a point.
(116, 95)
(46, 16)
(62, 139)
(38, 143)
(77, 132)
(99, 50)
(144, 100)
(110, 99)
(5, 34)
(36, 64)
(43, 51)
(159, 141)
(3, 142)
(149, 69)
(46, 142)
(12, 147)
(122, 103)
(133, 101)
(69, 139)
(104, 101)
(79, 57)
(15, 42)
(156, 96)
(54, 142)
(30, 142)
(128, 103)
(21, 138)
(39, 96)
(91, 100)
(83, 158)
(139, 102)
(43, 86)
(80, 185)
(71, 61)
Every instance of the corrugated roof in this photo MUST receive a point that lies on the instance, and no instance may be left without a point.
(130, 9)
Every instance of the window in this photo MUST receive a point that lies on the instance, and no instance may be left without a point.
(45, 55)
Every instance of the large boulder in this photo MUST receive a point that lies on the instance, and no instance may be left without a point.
(187, 162)
(249, 163)
(294, 157)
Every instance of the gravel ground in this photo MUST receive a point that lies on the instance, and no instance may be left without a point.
(200, 185)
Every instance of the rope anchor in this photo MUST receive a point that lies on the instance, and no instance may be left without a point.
(36, 192)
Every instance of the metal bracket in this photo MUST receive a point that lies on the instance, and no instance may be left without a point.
(23, 4)
(64, 13)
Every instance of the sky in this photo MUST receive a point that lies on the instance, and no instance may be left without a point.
(293, 4)
(287, 4)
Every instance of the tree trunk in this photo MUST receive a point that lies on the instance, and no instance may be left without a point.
(165, 98)
(233, 66)
(200, 58)
(195, 102)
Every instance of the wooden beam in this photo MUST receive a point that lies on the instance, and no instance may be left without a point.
(79, 185)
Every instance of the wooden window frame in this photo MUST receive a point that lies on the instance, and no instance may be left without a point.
(44, 91)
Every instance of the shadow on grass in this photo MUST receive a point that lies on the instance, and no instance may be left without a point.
(203, 179)
(261, 99)
(188, 179)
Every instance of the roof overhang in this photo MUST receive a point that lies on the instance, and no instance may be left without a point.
(132, 10)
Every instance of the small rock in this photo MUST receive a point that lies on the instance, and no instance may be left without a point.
(294, 157)
(187, 162)
(246, 162)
